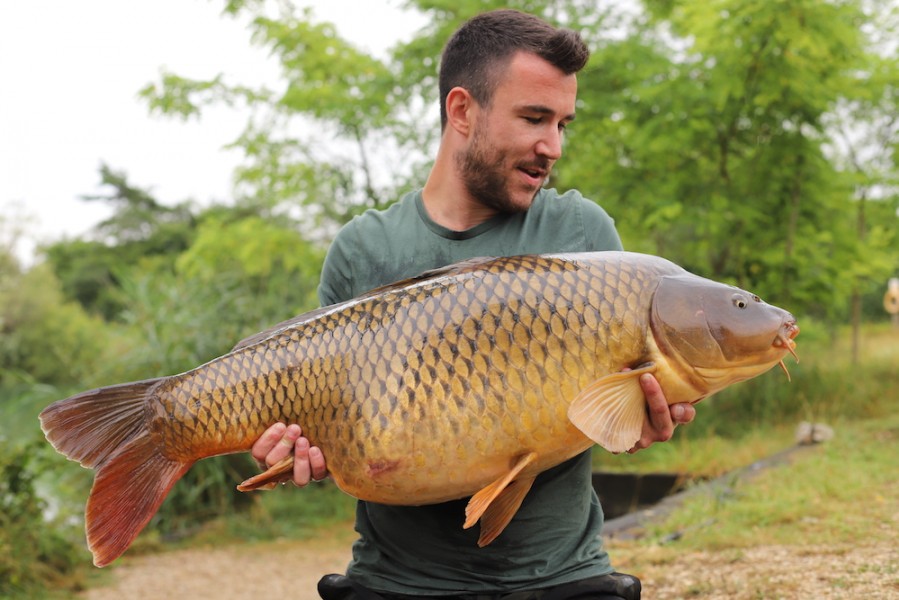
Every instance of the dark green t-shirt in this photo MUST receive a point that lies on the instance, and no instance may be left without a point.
(555, 536)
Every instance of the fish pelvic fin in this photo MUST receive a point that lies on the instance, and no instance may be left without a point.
(611, 411)
(501, 510)
(106, 430)
(498, 502)
(281, 471)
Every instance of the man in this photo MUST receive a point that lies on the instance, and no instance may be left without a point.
(508, 90)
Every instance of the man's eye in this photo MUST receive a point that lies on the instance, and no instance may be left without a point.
(534, 120)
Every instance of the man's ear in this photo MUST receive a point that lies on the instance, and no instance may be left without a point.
(460, 110)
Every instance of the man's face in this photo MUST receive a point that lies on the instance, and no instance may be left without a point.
(518, 137)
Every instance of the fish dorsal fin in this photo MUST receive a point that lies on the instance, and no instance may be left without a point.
(452, 269)
(504, 495)
(611, 410)
(298, 320)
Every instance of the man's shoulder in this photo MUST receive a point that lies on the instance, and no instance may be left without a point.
(379, 219)
(363, 249)
(550, 200)
(569, 222)
(569, 208)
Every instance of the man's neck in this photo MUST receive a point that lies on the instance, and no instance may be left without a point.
(448, 202)
(454, 210)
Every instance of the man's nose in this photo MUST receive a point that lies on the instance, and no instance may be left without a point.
(550, 145)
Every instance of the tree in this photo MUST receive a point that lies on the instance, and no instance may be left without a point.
(139, 229)
(865, 141)
(703, 128)
(332, 91)
(705, 135)
(44, 336)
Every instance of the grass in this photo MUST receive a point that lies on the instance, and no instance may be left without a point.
(834, 498)
(829, 516)
(838, 493)
(835, 494)
(757, 418)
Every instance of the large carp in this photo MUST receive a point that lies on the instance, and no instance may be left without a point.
(466, 381)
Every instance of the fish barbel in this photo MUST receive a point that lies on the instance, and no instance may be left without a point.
(466, 381)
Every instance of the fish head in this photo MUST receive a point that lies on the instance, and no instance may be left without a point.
(720, 333)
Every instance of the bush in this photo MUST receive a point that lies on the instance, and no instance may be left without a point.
(36, 554)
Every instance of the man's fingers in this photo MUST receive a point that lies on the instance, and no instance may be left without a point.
(267, 441)
(659, 412)
(659, 427)
(284, 446)
(683, 413)
(317, 463)
(302, 472)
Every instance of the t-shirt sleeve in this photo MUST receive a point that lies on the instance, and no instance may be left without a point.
(336, 280)
(599, 228)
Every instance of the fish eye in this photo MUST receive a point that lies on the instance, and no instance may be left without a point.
(740, 301)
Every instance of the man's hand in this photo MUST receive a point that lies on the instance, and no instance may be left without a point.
(280, 440)
(662, 417)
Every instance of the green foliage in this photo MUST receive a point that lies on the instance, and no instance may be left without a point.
(333, 91)
(138, 217)
(712, 147)
(139, 229)
(750, 141)
(746, 140)
(238, 278)
(273, 262)
(285, 512)
(49, 339)
(36, 553)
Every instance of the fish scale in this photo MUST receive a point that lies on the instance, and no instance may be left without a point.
(439, 387)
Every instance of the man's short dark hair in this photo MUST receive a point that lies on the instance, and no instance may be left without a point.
(475, 54)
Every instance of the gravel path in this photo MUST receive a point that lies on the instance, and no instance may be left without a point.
(802, 572)
(282, 569)
(291, 569)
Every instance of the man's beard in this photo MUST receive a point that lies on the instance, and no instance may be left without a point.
(484, 177)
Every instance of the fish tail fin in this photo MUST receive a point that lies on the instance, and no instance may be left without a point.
(106, 429)
(128, 490)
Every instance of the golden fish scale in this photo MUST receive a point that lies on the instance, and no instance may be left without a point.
(443, 381)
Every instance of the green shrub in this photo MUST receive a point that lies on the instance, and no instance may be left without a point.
(37, 553)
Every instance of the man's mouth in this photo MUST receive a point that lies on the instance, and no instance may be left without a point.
(537, 174)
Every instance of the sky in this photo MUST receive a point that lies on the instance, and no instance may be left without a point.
(70, 72)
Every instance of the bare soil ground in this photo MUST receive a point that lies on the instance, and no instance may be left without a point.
(291, 569)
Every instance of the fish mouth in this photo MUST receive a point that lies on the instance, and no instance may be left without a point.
(784, 339)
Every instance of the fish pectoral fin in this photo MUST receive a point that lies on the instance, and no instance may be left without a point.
(611, 410)
(501, 510)
(505, 493)
(268, 479)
